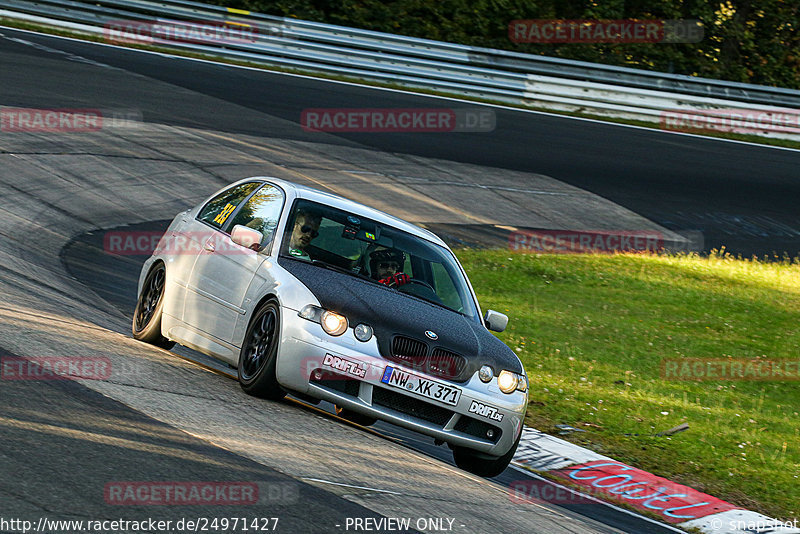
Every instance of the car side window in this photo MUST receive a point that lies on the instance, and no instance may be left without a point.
(219, 208)
(261, 212)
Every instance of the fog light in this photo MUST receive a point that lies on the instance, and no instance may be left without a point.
(490, 433)
(363, 332)
(507, 381)
(486, 374)
(333, 323)
(316, 375)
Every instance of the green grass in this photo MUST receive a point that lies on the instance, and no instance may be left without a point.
(592, 331)
(13, 23)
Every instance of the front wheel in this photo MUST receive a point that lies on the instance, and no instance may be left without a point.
(147, 314)
(259, 354)
(475, 463)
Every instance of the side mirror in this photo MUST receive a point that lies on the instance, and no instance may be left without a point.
(495, 321)
(247, 237)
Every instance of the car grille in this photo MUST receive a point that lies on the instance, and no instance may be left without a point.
(415, 354)
(474, 427)
(408, 351)
(445, 364)
(410, 406)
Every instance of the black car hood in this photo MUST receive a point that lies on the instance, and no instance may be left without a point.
(390, 313)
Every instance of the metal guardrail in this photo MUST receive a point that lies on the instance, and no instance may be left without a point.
(499, 75)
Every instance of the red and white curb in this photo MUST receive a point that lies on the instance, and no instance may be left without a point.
(603, 478)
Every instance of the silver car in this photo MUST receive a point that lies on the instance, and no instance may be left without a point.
(312, 294)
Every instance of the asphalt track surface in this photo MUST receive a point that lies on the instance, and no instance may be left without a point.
(161, 417)
(740, 196)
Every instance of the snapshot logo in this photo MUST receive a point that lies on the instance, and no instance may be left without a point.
(55, 368)
(394, 120)
(65, 120)
(166, 31)
(745, 121)
(721, 369)
(181, 493)
(145, 243)
(558, 31)
(585, 241)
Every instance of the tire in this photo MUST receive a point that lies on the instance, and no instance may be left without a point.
(146, 325)
(259, 354)
(482, 465)
(355, 417)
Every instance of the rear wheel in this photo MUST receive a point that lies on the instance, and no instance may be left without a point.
(147, 314)
(481, 465)
(258, 357)
(355, 417)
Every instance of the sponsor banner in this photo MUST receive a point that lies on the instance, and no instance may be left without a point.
(55, 368)
(742, 522)
(584, 241)
(701, 369)
(159, 31)
(145, 243)
(743, 121)
(394, 120)
(559, 31)
(644, 491)
(181, 493)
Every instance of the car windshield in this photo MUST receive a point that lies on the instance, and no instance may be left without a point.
(348, 242)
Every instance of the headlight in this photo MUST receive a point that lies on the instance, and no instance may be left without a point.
(507, 381)
(486, 374)
(311, 312)
(333, 323)
(363, 332)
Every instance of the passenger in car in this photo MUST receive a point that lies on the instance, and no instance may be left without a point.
(306, 228)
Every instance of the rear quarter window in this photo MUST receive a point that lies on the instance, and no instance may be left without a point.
(220, 208)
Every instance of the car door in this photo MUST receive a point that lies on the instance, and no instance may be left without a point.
(224, 270)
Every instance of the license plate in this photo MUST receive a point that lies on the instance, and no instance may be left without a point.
(421, 386)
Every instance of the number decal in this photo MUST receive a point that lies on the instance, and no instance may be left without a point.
(224, 214)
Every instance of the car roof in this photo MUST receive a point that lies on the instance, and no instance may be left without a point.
(336, 201)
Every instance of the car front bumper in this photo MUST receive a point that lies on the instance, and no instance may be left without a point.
(484, 419)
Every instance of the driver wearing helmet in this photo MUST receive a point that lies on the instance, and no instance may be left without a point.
(386, 266)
